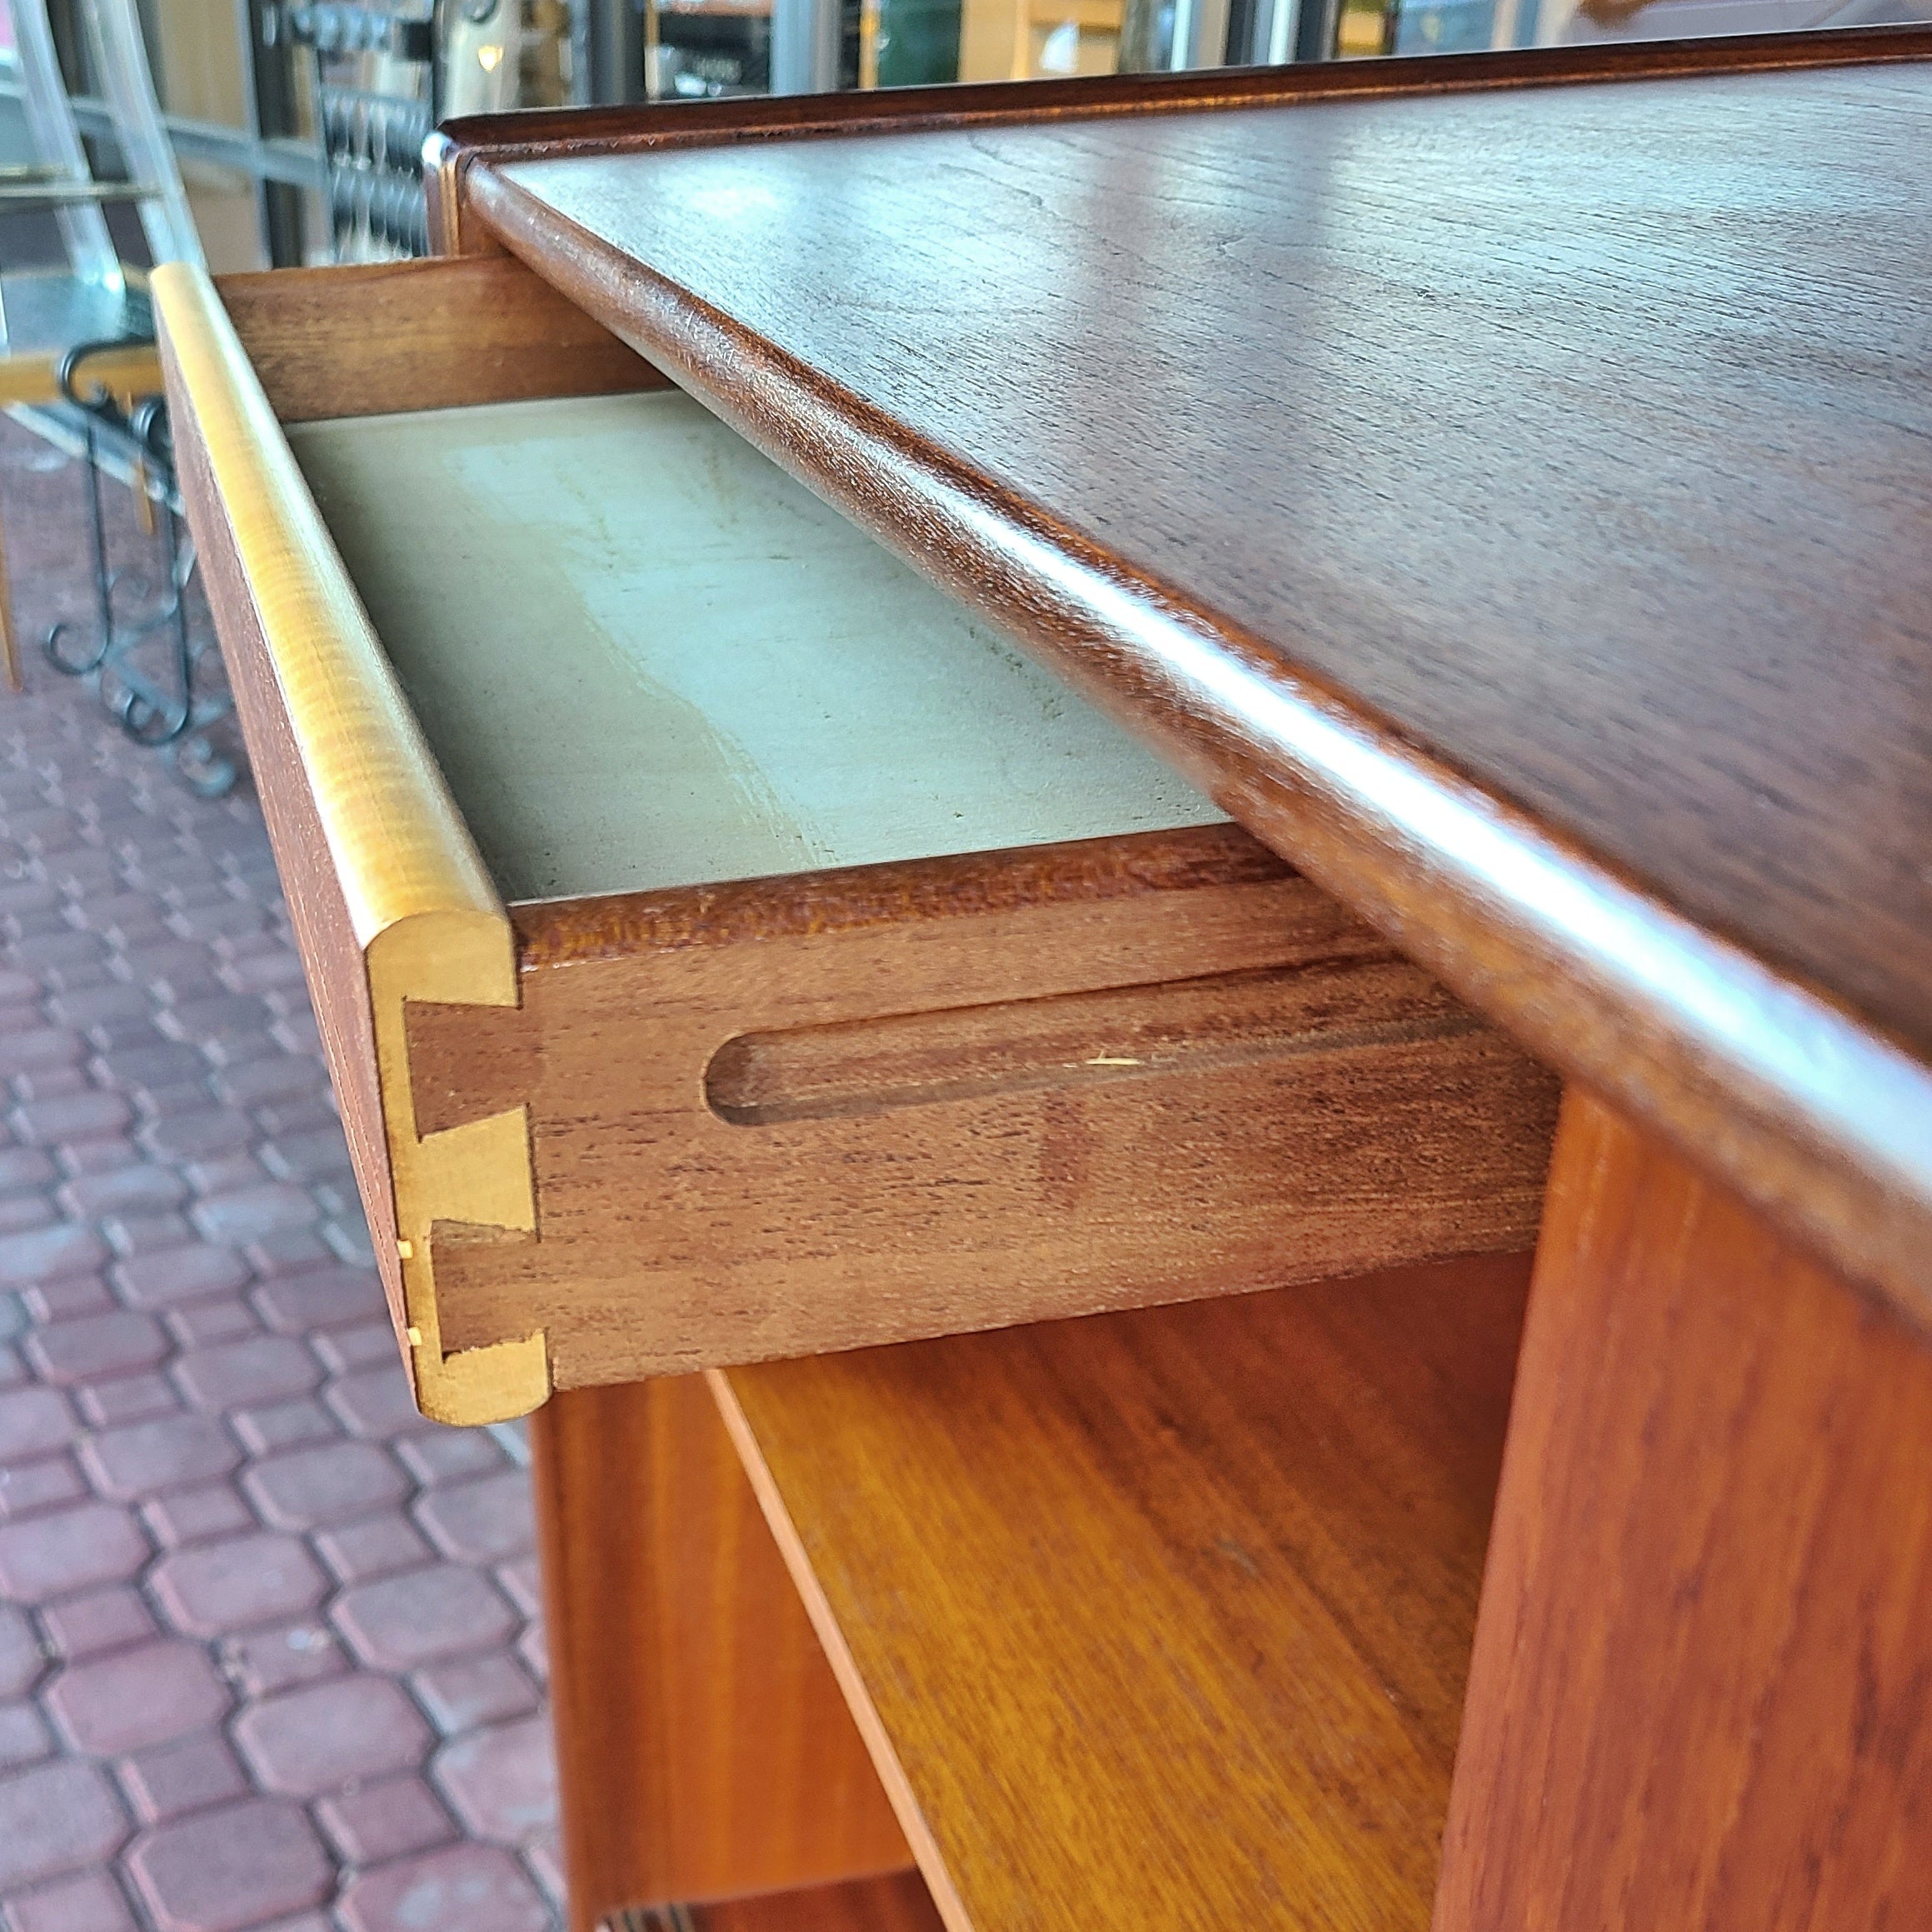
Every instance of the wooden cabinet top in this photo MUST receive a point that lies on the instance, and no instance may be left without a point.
(1509, 498)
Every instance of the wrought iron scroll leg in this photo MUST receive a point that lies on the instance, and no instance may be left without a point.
(103, 584)
(184, 649)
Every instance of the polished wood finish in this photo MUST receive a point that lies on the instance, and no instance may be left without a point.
(1280, 427)
(390, 900)
(372, 338)
(1700, 1691)
(1157, 1619)
(846, 1108)
(703, 1747)
(1508, 660)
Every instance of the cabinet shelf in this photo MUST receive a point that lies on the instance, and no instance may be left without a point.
(1159, 1618)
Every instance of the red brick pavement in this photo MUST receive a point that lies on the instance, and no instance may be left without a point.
(268, 1655)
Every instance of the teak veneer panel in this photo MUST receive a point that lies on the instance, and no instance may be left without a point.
(373, 338)
(846, 1108)
(703, 1748)
(1506, 499)
(1162, 1618)
(1700, 1689)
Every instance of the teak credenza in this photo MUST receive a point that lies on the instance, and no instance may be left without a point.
(973, 759)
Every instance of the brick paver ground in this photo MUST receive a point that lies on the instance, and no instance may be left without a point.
(268, 1648)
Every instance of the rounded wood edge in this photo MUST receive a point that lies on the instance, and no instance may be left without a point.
(1819, 1119)
(398, 845)
(444, 163)
(553, 932)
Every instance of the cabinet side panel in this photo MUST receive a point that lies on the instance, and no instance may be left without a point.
(704, 1748)
(1700, 1689)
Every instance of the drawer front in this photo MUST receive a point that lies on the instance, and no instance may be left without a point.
(844, 1109)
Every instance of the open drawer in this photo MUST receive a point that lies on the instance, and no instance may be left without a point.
(725, 948)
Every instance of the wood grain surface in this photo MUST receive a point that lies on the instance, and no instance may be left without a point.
(853, 1107)
(1507, 501)
(372, 338)
(392, 902)
(704, 1749)
(1699, 1689)
(1157, 1619)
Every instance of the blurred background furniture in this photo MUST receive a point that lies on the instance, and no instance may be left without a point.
(371, 95)
(78, 365)
(380, 76)
(296, 122)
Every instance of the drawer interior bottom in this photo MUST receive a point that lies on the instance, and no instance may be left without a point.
(644, 657)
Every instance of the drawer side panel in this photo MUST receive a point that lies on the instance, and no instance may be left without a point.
(390, 900)
(331, 959)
